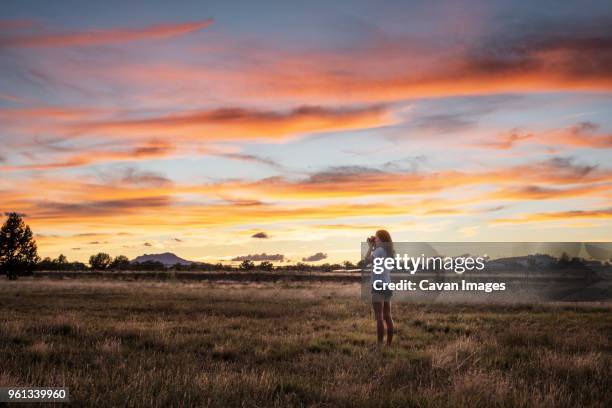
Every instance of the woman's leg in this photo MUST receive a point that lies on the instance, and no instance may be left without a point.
(378, 315)
(389, 320)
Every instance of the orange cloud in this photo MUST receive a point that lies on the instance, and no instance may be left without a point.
(151, 201)
(394, 70)
(345, 227)
(547, 193)
(241, 124)
(581, 135)
(557, 216)
(99, 37)
(168, 206)
(562, 178)
(225, 124)
(167, 213)
(364, 182)
(506, 141)
(370, 71)
(44, 113)
(150, 150)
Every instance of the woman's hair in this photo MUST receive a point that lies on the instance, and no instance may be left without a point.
(387, 242)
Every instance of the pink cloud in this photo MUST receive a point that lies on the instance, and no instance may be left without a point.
(99, 37)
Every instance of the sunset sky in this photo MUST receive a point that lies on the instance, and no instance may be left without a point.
(189, 127)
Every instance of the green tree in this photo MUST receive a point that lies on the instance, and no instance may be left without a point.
(100, 261)
(18, 252)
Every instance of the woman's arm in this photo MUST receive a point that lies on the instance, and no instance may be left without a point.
(368, 256)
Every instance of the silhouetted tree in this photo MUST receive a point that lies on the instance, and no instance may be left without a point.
(18, 252)
(564, 260)
(148, 266)
(60, 263)
(77, 266)
(120, 263)
(100, 261)
(531, 263)
(266, 266)
(46, 265)
(326, 267)
(247, 265)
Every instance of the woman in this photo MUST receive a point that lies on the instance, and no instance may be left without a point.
(381, 246)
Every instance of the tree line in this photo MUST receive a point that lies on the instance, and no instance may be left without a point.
(19, 257)
(104, 262)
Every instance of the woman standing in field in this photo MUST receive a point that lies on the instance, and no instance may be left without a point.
(381, 246)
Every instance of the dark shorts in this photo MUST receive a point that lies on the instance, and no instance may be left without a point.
(381, 295)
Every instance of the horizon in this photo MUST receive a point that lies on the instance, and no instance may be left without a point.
(299, 130)
(598, 253)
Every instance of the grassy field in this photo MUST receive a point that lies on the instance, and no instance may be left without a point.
(292, 344)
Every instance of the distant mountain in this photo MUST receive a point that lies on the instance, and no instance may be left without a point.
(167, 258)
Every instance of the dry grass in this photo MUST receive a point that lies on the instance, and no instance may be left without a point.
(262, 345)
